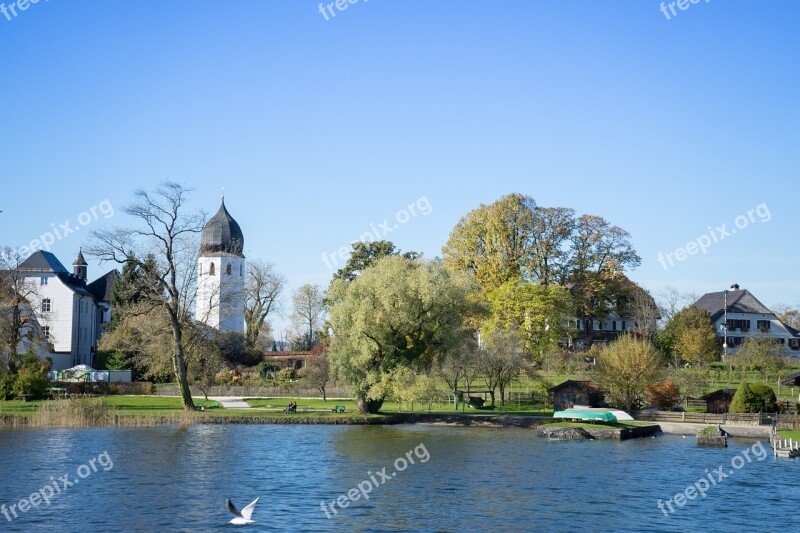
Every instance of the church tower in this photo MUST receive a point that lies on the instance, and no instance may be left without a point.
(220, 288)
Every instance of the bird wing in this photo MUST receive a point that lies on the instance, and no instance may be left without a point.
(247, 512)
(233, 510)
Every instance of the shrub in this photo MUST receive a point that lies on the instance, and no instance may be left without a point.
(266, 370)
(665, 395)
(286, 374)
(756, 398)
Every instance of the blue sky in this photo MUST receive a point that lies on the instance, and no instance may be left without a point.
(319, 129)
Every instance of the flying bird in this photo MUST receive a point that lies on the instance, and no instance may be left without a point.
(242, 518)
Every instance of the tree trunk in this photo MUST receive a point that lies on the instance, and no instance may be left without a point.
(324, 397)
(491, 395)
(179, 364)
(370, 407)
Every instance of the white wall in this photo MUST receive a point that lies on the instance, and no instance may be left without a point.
(220, 297)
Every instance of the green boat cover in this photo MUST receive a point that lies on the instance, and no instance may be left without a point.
(603, 416)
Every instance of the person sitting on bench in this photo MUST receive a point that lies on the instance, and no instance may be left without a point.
(292, 408)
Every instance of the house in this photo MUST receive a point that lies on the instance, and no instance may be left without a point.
(68, 312)
(747, 317)
(571, 393)
(719, 401)
(295, 359)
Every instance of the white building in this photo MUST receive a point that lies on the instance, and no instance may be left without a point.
(747, 317)
(70, 312)
(221, 274)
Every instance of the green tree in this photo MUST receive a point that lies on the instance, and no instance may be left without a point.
(398, 313)
(756, 398)
(365, 254)
(689, 336)
(540, 314)
(760, 353)
(599, 255)
(494, 242)
(626, 368)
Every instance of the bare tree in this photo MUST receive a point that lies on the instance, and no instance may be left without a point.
(167, 232)
(308, 314)
(317, 373)
(500, 361)
(262, 293)
(455, 363)
(21, 313)
(671, 301)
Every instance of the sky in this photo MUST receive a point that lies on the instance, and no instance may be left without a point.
(324, 127)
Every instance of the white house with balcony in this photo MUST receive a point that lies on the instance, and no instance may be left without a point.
(747, 317)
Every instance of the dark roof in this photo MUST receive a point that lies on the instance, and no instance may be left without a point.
(791, 379)
(587, 385)
(222, 235)
(80, 261)
(719, 392)
(103, 287)
(740, 301)
(41, 261)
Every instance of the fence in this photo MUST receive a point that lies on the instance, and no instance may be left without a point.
(784, 421)
(252, 391)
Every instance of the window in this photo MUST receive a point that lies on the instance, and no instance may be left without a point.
(794, 344)
(741, 325)
(46, 332)
(211, 270)
(43, 281)
(614, 325)
(623, 325)
(241, 269)
(228, 269)
(46, 305)
(201, 269)
(781, 341)
(763, 325)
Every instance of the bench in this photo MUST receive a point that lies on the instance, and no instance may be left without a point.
(338, 409)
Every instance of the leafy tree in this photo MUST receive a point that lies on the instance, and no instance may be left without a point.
(365, 254)
(759, 353)
(317, 373)
(756, 398)
(788, 315)
(599, 256)
(540, 314)
(689, 336)
(626, 368)
(664, 395)
(494, 242)
(28, 376)
(398, 312)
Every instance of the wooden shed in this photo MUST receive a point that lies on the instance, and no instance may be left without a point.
(571, 393)
(719, 401)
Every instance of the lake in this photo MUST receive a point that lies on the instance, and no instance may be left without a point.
(445, 479)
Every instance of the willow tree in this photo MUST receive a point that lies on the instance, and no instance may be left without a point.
(397, 313)
(627, 368)
(164, 230)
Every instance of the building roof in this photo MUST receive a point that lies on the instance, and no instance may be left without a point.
(718, 392)
(587, 385)
(80, 261)
(103, 287)
(739, 301)
(222, 235)
(41, 261)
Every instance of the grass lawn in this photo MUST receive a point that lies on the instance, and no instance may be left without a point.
(789, 434)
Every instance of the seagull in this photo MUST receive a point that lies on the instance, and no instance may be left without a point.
(242, 518)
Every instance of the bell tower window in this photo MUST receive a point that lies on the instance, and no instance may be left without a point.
(211, 270)
(228, 269)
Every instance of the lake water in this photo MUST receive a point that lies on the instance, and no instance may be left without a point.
(177, 479)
